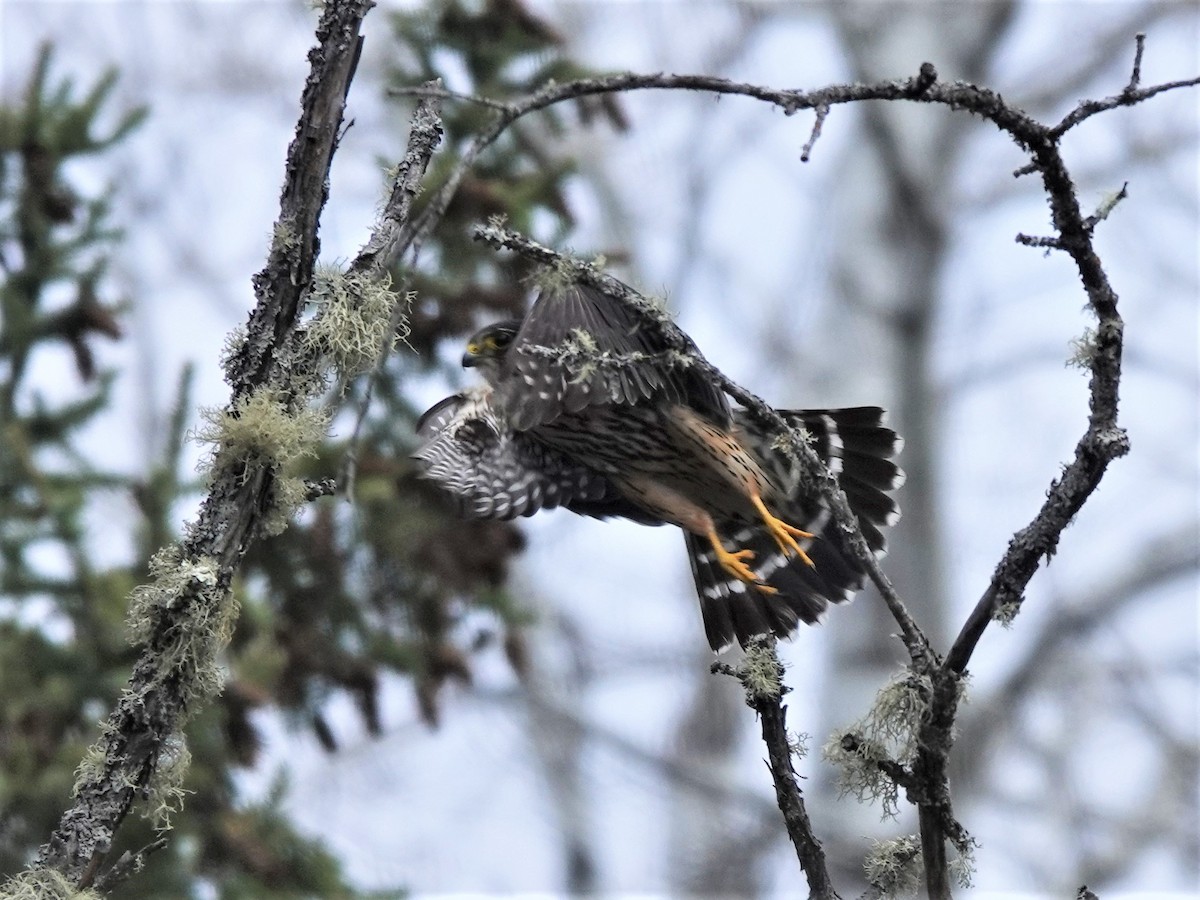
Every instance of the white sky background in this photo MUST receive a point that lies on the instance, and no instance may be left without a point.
(462, 808)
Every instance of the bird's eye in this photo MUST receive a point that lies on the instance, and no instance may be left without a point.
(489, 342)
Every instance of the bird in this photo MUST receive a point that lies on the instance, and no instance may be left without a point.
(587, 405)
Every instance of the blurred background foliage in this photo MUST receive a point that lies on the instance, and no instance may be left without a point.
(327, 606)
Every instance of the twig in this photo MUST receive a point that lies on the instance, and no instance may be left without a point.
(129, 864)
(1034, 240)
(818, 122)
(393, 229)
(393, 234)
(1131, 94)
(1135, 77)
(315, 490)
(1104, 210)
(922, 88)
(926, 78)
(761, 674)
(507, 113)
(902, 777)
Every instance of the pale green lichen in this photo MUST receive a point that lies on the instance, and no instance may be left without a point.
(290, 494)
(1005, 613)
(886, 734)
(284, 238)
(164, 791)
(1083, 350)
(1108, 203)
(555, 276)
(353, 321)
(798, 744)
(761, 671)
(962, 867)
(784, 442)
(90, 768)
(581, 354)
(261, 427)
(188, 619)
(234, 341)
(894, 868)
(44, 884)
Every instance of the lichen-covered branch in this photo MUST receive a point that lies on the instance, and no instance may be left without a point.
(761, 674)
(185, 615)
(395, 234)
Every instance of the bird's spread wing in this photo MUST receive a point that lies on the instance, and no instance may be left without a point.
(493, 472)
(579, 347)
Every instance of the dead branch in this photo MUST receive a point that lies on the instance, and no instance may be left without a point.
(761, 674)
(161, 693)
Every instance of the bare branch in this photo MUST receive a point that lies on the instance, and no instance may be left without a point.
(1132, 94)
(393, 231)
(1162, 558)
(806, 150)
(789, 101)
(1033, 240)
(1074, 73)
(129, 864)
(1135, 77)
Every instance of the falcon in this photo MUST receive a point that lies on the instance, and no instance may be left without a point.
(585, 406)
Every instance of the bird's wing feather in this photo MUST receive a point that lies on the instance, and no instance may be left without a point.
(580, 347)
(493, 472)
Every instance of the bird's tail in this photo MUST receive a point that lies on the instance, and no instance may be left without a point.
(858, 448)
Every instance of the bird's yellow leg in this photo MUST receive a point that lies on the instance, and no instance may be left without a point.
(735, 563)
(785, 535)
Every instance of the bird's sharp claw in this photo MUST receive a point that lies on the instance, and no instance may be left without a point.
(735, 565)
(785, 535)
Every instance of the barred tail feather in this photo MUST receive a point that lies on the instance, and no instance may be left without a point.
(733, 610)
(857, 447)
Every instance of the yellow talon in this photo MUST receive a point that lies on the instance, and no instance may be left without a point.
(735, 564)
(785, 535)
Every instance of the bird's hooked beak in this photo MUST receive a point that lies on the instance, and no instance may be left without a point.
(470, 357)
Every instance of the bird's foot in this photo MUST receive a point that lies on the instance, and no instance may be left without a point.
(785, 535)
(735, 565)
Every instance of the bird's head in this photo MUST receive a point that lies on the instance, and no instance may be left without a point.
(486, 348)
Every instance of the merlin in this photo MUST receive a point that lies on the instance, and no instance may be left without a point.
(585, 405)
